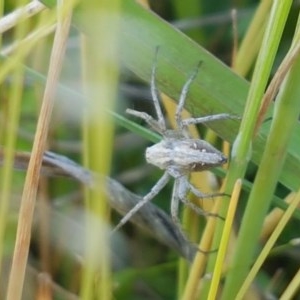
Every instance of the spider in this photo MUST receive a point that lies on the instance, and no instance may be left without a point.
(177, 153)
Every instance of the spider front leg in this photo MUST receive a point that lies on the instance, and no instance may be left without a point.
(158, 125)
(148, 119)
(182, 124)
(155, 95)
(154, 191)
(193, 121)
(180, 106)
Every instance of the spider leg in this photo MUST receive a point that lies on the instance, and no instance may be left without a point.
(198, 210)
(182, 98)
(147, 118)
(198, 194)
(192, 121)
(175, 209)
(175, 203)
(154, 191)
(158, 125)
(186, 186)
(155, 95)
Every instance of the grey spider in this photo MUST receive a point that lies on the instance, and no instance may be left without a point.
(177, 153)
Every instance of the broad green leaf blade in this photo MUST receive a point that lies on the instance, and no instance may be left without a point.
(216, 89)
